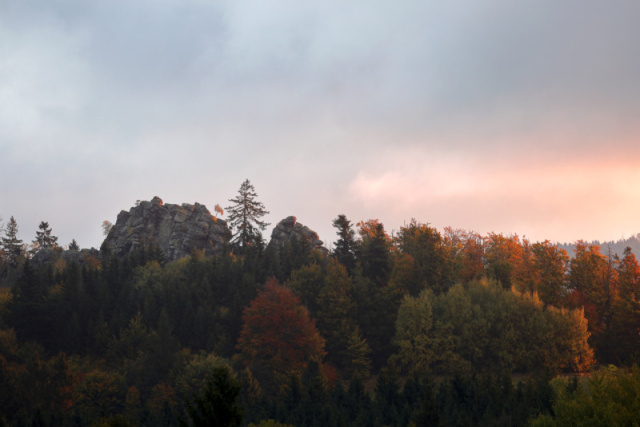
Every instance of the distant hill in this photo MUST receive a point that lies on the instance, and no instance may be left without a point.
(616, 247)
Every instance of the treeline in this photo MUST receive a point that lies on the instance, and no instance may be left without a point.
(615, 247)
(384, 331)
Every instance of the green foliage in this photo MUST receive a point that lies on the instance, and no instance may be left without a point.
(345, 247)
(193, 371)
(357, 358)
(484, 328)
(11, 245)
(610, 396)
(30, 382)
(550, 263)
(73, 246)
(99, 394)
(374, 252)
(377, 310)
(336, 314)
(143, 334)
(307, 282)
(427, 249)
(44, 238)
(414, 333)
(217, 405)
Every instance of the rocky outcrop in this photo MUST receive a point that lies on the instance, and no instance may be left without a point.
(289, 228)
(176, 229)
(50, 255)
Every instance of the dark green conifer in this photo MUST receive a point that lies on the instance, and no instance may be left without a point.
(244, 217)
(11, 245)
(44, 238)
(217, 404)
(344, 250)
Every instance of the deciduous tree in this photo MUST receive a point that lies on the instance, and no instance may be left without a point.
(550, 265)
(426, 246)
(593, 279)
(502, 254)
(629, 276)
(278, 337)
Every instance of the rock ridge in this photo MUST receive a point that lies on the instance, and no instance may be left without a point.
(176, 229)
(289, 228)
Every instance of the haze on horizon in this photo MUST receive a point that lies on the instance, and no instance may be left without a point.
(511, 117)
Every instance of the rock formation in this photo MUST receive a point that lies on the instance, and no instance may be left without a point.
(289, 228)
(176, 229)
(49, 255)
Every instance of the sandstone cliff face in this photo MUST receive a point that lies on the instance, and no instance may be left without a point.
(290, 228)
(176, 229)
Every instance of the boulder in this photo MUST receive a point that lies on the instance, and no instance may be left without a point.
(176, 229)
(289, 228)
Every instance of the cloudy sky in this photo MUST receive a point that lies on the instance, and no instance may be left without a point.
(495, 115)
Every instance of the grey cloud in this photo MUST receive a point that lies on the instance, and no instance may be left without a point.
(183, 98)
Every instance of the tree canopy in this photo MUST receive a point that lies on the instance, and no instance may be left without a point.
(278, 337)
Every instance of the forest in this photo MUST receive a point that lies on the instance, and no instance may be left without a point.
(422, 327)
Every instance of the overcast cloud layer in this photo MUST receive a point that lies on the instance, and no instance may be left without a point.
(513, 117)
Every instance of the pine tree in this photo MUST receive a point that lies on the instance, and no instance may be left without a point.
(11, 244)
(244, 217)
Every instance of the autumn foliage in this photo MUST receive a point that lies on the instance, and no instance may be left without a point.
(278, 337)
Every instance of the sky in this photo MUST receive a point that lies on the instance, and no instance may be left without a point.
(492, 116)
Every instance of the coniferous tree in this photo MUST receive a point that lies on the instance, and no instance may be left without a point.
(11, 244)
(44, 239)
(217, 404)
(629, 276)
(375, 252)
(73, 246)
(344, 250)
(357, 355)
(244, 216)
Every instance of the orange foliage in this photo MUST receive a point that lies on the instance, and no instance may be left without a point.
(371, 228)
(466, 248)
(278, 337)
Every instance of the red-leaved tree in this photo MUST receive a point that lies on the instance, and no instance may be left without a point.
(278, 337)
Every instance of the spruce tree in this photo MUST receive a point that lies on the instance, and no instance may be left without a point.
(344, 250)
(217, 405)
(44, 239)
(11, 245)
(244, 217)
(73, 246)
